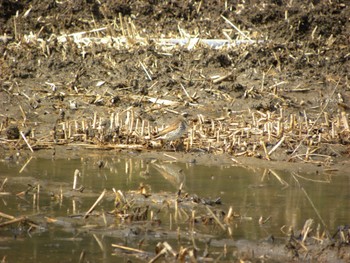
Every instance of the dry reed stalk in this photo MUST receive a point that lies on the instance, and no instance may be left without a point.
(186, 93)
(131, 124)
(345, 121)
(262, 143)
(74, 206)
(142, 128)
(326, 119)
(94, 120)
(6, 216)
(160, 253)
(24, 166)
(95, 204)
(216, 218)
(238, 30)
(75, 178)
(76, 126)
(228, 215)
(269, 131)
(12, 221)
(23, 114)
(69, 130)
(146, 71)
(149, 128)
(222, 78)
(276, 146)
(137, 125)
(111, 121)
(128, 248)
(121, 24)
(176, 212)
(26, 141)
(254, 122)
(292, 122)
(2, 185)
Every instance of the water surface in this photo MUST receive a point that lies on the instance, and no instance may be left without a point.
(285, 199)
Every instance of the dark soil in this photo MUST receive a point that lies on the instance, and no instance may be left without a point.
(300, 69)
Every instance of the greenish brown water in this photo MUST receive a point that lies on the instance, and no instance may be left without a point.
(252, 192)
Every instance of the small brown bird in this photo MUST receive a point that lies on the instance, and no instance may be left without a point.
(173, 131)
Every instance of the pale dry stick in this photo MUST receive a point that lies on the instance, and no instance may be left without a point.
(94, 120)
(228, 215)
(186, 93)
(15, 25)
(216, 218)
(306, 120)
(146, 71)
(69, 129)
(74, 206)
(169, 248)
(23, 114)
(262, 82)
(127, 120)
(160, 253)
(222, 78)
(162, 101)
(38, 197)
(132, 121)
(3, 184)
(172, 157)
(137, 127)
(121, 24)
(15, 220)
(276, 146)
(25, 165)
(26, 141)
(239, 31)
(277, 84)
(117, 121)
(176, 212)
(313, 33)
(262, 143)
(326, 119)
(199, 7)
(95, 204)
(345, 120)
(317, 213)
(6, 216)
(128, 248)
(319, 116)
(83, 127)
(111, 119)
(142, 127)
(75, 178)
(76, 126)
(227, 36)
(128, 29)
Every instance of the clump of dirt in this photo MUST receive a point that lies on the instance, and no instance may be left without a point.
(283, 97)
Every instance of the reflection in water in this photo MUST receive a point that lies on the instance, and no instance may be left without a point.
(171, 172)
(252, 192)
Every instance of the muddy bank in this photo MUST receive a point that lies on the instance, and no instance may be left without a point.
(115, 85)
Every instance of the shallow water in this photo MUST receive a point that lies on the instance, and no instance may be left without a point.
(252, 192)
